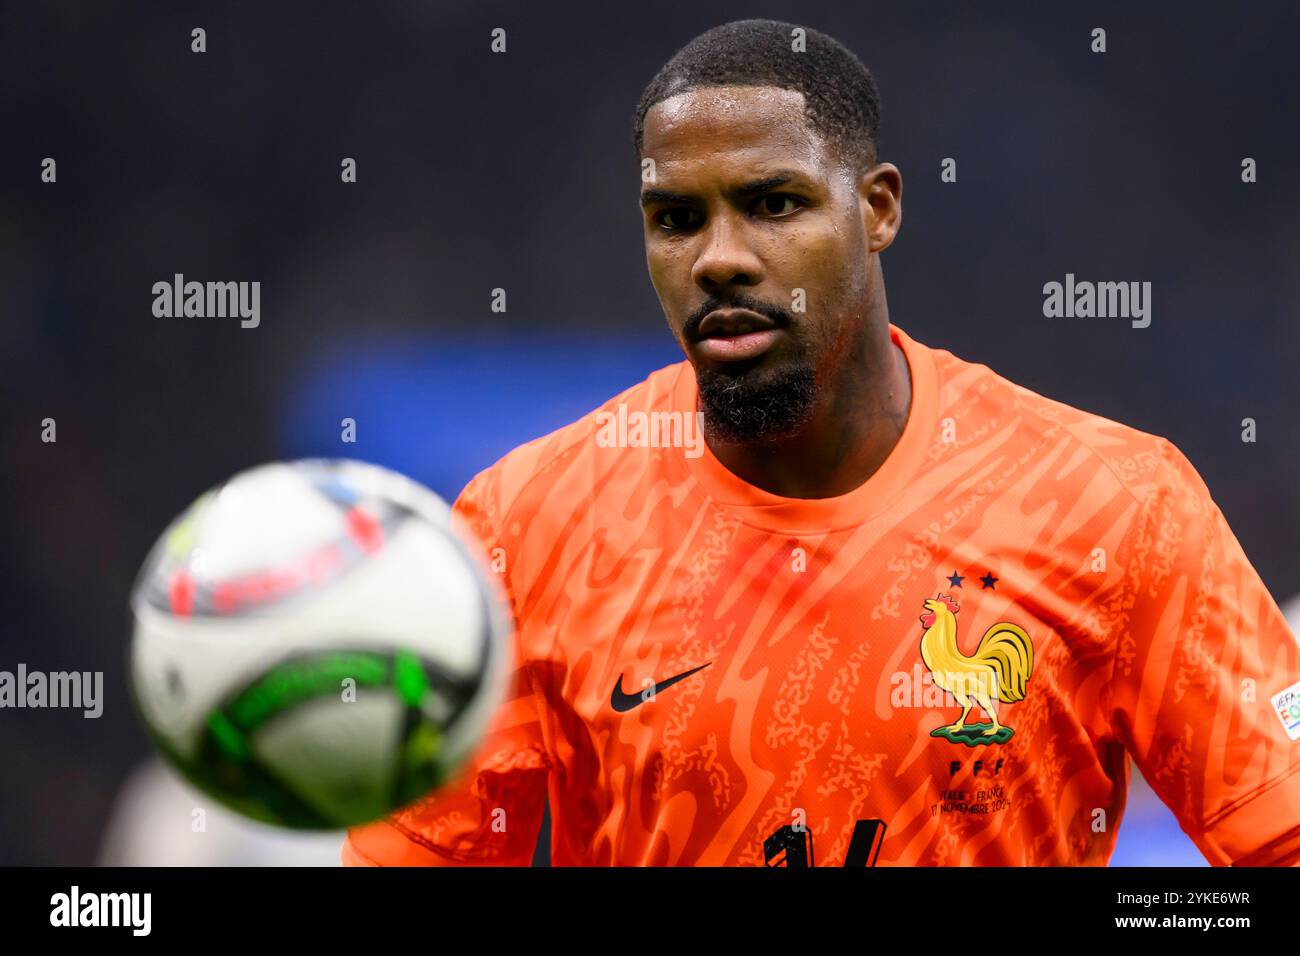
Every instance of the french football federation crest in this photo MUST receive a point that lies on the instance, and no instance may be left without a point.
(999, 670)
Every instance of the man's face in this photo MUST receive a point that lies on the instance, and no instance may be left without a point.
(758, 248)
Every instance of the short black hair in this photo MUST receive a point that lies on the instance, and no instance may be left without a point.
(840, 96)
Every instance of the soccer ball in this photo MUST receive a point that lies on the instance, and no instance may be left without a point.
(317, 643)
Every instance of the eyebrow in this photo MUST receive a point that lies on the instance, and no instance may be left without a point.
(754, 187)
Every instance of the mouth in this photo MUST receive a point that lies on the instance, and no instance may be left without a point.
(734, 335)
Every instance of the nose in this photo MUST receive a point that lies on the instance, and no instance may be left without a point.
(726, 258)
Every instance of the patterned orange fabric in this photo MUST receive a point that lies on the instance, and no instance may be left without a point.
(1065, 580)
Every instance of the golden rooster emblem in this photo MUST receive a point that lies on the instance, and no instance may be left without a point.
(998, 670)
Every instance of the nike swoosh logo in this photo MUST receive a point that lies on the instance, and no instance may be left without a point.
(623, 702)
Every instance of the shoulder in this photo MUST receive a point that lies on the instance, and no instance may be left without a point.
(976, 399)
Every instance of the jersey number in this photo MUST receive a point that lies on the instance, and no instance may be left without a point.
(790, 847)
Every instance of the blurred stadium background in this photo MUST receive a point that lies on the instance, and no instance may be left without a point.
(478, 171)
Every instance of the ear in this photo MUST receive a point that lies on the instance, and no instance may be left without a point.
(880, 197)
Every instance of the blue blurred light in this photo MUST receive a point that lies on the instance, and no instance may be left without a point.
(441, 407)
(1149, 834)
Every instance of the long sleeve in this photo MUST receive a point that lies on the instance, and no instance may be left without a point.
(1205, 691)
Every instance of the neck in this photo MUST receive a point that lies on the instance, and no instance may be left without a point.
(857, 421)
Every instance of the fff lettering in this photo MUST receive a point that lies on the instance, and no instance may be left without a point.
(977, 767)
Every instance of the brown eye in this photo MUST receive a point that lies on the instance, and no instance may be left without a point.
(676, 220)
(776, 204)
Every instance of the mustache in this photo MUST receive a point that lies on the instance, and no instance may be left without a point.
(692, 327)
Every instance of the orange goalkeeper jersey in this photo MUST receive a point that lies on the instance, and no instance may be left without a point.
(946, 666)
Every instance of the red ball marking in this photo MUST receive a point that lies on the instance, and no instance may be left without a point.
(365, 530)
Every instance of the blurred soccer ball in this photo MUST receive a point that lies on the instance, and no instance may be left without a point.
(317, 643)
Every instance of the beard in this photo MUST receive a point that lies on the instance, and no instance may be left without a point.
(757, 405)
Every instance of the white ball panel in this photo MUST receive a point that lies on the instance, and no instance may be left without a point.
(337, 756)
(262, 518)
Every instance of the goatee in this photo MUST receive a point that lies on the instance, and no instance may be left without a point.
(754, 406)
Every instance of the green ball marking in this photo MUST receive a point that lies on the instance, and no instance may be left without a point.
(409, 678)
(228, 737)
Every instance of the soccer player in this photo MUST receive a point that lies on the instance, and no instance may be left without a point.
(889, 607)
